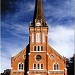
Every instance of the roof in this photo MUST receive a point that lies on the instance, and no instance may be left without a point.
(55, 52)
(39, 13)
(18, 54)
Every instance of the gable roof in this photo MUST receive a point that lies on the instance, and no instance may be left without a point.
(56, 53)
(23, 51)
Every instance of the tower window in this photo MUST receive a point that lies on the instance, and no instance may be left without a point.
(56, 66)
(38, 48)
(32, 37)
(34, 48)
(38, 66)
(37, 37)
(20, 66)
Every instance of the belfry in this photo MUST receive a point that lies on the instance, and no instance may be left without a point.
(38, 58)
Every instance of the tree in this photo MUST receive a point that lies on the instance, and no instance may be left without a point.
(70, 65)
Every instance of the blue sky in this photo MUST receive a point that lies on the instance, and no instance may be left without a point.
(15, 20)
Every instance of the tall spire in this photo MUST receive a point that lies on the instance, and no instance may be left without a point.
(39, 13)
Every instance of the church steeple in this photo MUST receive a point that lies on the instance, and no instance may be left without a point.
(39, 13)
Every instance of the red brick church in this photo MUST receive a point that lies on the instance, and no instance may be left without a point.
(38, 58)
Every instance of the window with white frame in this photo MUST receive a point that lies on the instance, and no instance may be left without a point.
(56, 66)
(37, 37)
(32, 37)
(43, 37)
(20, 66)
(38, 66)
(38, 48)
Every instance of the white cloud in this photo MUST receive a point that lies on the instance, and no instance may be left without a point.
(62, 40)
(30, 7)
(5, 64)
(65, 9)
(20, 28)
(11, 50)
(17, 29)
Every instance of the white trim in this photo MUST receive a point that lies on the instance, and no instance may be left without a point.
(37, 69)
(40, 50)
(29, 53)
(47, 53)
(54, 64)
(17, 70)
(56, 70)
(65, 68)
(32, 37)
(37, 66)
(43, 37)
(38, 37)
(27, 71)
(18, 66)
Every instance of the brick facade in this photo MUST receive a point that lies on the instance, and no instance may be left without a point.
(38, 58)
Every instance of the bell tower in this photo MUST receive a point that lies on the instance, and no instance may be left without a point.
(38, 29)
(38, 41)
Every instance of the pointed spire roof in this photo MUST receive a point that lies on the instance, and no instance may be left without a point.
(39, 13)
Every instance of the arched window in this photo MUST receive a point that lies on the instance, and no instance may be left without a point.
(38, 48)
(56, 66)
(20, 66)
(37, 37)
(38, 66)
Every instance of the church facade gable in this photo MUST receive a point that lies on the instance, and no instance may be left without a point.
(56, 61)
(17, 63)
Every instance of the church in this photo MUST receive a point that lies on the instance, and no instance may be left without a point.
(38, 58)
